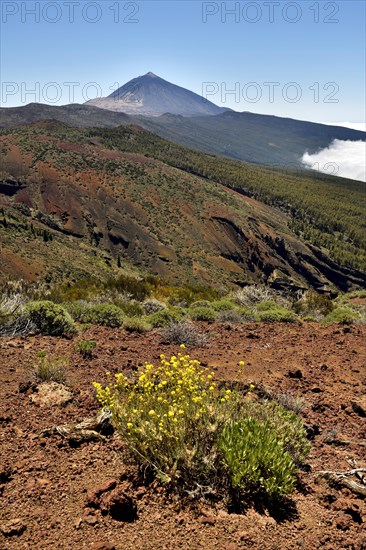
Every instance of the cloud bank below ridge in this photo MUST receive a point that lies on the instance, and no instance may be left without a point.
(346, 159)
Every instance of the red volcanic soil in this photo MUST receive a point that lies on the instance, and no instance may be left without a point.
(45, 484)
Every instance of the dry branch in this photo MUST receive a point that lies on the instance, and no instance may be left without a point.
(342, 479)
(90, 429)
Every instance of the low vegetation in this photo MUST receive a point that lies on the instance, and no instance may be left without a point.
(196, 436)
(50, 319)
(270, 312)
(135, 324)
(342, 316)
(202, 313)
(163, 318)
(201, 439)
(86, 348)
(184, 332)
(95, 303)
(324, 210)
(50, 368)
(108, 315)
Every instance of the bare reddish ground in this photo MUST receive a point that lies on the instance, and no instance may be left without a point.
(45, 481)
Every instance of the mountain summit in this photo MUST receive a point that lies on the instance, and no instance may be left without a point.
(151, 95)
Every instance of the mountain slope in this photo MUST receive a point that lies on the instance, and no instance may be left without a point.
(80, 116)
(151, 95)
(261, 139)
(96, 187)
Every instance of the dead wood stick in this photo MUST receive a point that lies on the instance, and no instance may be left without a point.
(87, 430)
(342, 479)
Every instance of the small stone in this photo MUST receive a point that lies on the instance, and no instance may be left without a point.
(271, 522)
(207, 520)
(253, 335)
(343, 522)
(90, 520)
(316, 389)
(78, 523)
(93, 496)
(312, 431)
(43, 482)
(13, 528)
(119, 505)
(359, 406)
(51, 394)
(181, 519)
(245, 536)
(295, 373)
(140, 492)
(25, 386)
(103, 546)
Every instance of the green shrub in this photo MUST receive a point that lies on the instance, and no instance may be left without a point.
(50, 319)
(312, 303)
(135, 287)
(309, 319)
(236, 316)
(163, 318)
(266, 305)
(86, 348)
(342, 316)
(131, 308)
(103, 314)
(153, 305)
(202, 314)
(223, 305)
(192, 293)
(256, 459)
(51, 368)
(344, 298)
(248, 314)
(169, 417)
(83, 289)
(77, 309)
(270, 312)
(136, 324)
(285, 423)
(178, 310)
(200, 303)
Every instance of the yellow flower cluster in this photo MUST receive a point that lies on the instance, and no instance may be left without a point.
(164, 400)
(169, 413)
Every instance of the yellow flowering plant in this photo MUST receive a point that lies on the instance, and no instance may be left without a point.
(170, 414)
(200, 436)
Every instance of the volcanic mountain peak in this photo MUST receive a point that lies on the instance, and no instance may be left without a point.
(151, 95)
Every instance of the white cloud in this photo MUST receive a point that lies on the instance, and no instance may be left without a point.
(361, 126)
(342, 158)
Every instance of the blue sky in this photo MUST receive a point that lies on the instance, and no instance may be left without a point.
(309, 54)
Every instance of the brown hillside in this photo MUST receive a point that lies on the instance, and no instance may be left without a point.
(120, 203)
